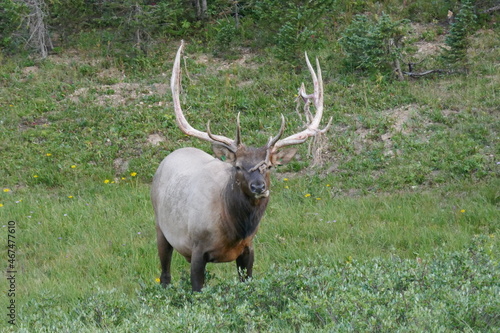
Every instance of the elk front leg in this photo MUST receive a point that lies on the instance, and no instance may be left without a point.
(198, 263)
(244, 263)
(165, 253)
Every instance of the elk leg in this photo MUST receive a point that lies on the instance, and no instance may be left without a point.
(198, 263)
(165, 253)
(244, 263)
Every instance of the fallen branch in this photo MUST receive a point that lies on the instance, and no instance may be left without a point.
(439, 71)
(491, 10)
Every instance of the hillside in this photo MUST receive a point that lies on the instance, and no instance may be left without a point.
(388, 222)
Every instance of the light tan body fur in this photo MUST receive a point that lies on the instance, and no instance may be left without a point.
(189, 212)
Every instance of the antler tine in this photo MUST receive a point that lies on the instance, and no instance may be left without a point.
(312, 121)
(270, 146)
(175, 83)
(272, 141)
(307, 100)
(237, 141)
(317, 96)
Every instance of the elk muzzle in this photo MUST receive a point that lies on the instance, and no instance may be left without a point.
(259, 189)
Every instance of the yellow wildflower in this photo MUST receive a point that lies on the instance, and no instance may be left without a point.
(318, 198)
(285, 179)
(462, 211)
(157, 280)
(307, 195)
(106, 181)
(133, 174)
(6, 190)
(1, 205)
(70, 196)
(35, 176)
(48, 154)
(73, 166)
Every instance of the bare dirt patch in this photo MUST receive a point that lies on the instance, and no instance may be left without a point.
(449, 113)
(30, 70)
(71, 57)
(121, 93)
(245, 83)
(245, 60)
(360, 142)
(427, 49)
(399, 117)
(121, 165)
(111, 73)
(27, 124)
(155, 139)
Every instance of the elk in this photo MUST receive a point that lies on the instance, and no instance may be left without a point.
(208, 209)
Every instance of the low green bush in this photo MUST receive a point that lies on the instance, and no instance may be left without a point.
(457, 40)
(11, 15)
(447, 292)
(374, 43)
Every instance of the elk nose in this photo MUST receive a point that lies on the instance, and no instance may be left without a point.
(258, 187)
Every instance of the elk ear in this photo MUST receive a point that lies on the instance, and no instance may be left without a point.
(224, 153)
(283, 156)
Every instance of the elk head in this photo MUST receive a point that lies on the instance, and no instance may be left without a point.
(251, 166)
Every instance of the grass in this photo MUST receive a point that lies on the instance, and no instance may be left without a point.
(440, 292)
(410, 176)
(97, 250)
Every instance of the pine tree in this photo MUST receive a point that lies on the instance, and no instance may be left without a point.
(461, 28)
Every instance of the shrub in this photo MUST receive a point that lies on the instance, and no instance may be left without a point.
(292, 27)
(445, 292)
(461, 28)
(374, 44)
(11, 15)
(428, 11)
(293, 38)
(225, 35)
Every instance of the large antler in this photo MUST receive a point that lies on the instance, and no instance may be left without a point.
(312, 122)
(183, 124)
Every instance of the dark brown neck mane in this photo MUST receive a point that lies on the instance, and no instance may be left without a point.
(242, 214)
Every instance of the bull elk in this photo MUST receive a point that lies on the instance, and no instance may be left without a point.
(209, 209)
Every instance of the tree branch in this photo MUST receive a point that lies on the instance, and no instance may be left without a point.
(491, 10)
(440, 71)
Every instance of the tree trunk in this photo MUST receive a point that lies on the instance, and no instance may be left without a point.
(236, 14)
(39, 34)
(396, 65)
(201, 9)
(198, 8)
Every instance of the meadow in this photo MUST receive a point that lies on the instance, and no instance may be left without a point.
(394, 228)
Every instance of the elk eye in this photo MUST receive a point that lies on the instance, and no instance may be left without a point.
(237, 167)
